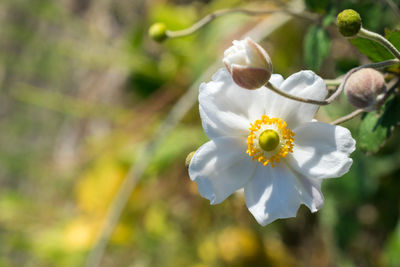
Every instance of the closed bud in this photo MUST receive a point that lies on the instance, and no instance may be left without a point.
(348, 22)
(158, 32)
(365, 88)
(189, 158)
(248, 63)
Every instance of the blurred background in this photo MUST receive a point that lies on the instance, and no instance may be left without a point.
(83, 90)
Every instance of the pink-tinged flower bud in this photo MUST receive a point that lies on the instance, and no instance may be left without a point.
(365, 88)
(248, 63)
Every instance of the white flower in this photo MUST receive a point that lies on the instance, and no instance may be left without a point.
(248, 63)
(267, 144)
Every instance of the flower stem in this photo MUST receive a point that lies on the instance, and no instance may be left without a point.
(353, 114)
(333, 82)
(296, 98)
(393, 6)
(219, 13)
(339, 90)
(393, 85)
(380, 39)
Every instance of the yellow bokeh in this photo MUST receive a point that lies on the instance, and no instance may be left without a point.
(97, 187)
(207, 249)
(155, 220)
(277, 253)
(80, 234)
(237, 242)
(122, 234)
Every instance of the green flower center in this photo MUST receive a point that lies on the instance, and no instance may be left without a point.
(268, 140)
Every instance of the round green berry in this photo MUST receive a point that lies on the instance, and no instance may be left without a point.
(348, 22)
(158, 32)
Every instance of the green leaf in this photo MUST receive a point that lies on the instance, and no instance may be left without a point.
(373, 50)
(329, 18)
(391, 254)
(317, 44)
(393, 37)
(376, 128)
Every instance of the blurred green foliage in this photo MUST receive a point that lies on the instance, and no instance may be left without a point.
(377, 126)
(316, 47)
(83, 88)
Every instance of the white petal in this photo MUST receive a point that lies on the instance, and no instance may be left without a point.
(271, 99)
(227, 109)
(220, 167)
(278, 192)
(321, 150)
(304, 84)
(276, 80)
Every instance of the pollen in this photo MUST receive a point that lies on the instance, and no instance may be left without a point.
(269, 140)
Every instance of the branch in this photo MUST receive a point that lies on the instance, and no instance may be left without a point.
(219, 13)
(348, 117)
(380, 39)
(339, 90)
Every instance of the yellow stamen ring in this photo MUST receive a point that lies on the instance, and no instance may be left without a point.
(269, 140)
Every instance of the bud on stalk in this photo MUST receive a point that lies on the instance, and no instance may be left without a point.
(348, 22)
(365, 88)
(248, 63)
(158, 32)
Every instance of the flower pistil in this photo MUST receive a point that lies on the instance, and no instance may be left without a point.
(269, 140)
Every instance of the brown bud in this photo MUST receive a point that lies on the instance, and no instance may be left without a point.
(248, 63)
(365, 88)
(248, 77)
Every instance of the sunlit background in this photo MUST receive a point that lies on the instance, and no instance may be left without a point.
(83, 90)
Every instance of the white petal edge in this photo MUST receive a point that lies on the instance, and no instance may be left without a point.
(220, 167)
(276, 80)
(321, 150)
(304, 84)
(277, 193)
(227, 109)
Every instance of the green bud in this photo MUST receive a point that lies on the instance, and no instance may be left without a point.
(158, 32)
(348, 22)
(189, 158)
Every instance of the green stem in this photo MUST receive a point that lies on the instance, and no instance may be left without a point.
(339, 90)
(393, 6)
(380, 39)
(348, 117)
(219, 13)
(296, 98)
